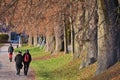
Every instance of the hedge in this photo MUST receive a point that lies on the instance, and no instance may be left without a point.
(4, 38)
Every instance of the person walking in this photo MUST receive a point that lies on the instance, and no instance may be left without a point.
(10, 51)
(18, 62)
(26, 61)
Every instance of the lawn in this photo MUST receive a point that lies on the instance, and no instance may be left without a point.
(34, 51)
(45, 68)
(61, 67)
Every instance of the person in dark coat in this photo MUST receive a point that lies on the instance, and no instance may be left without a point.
(10, 51)
(18, 61)
(26, 61)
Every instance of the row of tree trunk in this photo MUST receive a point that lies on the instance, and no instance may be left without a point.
(101, 35)
(94, 30)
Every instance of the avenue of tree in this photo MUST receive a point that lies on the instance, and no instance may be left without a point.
(89, 27)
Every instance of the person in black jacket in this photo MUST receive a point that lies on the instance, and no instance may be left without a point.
(26, 61)
(18, 61)
(10, 51)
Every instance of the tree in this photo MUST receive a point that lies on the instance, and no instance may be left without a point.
(78, 29)
(91, 21)
(107, 47)
(58, 29)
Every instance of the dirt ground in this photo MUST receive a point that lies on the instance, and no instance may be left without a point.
(7, 68)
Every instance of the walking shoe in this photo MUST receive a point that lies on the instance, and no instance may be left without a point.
(17, 74)
(25, 74)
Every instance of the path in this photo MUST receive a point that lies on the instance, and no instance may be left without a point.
(8, 70)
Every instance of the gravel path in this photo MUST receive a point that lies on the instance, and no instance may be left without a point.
(7, 68)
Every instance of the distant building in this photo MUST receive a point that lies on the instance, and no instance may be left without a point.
(13, 37)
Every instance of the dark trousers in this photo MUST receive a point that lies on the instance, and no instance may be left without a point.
(26, 67)
(18, 70)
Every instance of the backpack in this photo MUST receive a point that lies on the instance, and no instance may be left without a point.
(26, 58)
(10, 49)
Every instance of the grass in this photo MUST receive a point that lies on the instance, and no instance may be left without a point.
(34, 51)
(112, 73)
(46, 68)
(61, 67)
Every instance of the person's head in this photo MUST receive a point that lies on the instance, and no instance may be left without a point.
(10, 44)
(19, 52)
(27, 51)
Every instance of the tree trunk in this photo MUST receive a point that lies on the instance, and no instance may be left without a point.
(58, 29)
(20, 41)
(72, 36)
(59, 39)
(50, 39)
(72, 29)
(43, 40)
(78, 31)
(92, 48)
(107, 47)
(50, 43)
(65, 34)
(65, 40)
(35, 40)
(118, 33)
(91, 22)
(30, 40)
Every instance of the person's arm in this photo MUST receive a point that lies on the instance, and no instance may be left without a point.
(15, 59)
(30, 58)
(8, 49)
(12, 49)
(23, 57)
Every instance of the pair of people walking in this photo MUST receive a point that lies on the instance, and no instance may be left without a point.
(25, 59)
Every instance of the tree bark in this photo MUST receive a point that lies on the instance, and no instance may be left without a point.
(107, 47)
(91, 22)
(35, 40)
(20, 41)
(50, 39)
(59, 39)
(65, 34)
(50, 43)
(78, 31)
(72, 29)
(72, 36)
(30, 40)
(58, 29)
